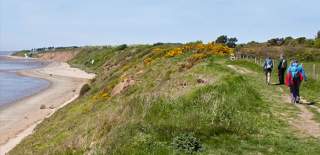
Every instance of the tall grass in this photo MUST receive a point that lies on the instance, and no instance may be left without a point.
(230, 107)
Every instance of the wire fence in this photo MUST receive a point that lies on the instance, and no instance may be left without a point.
(312, 69)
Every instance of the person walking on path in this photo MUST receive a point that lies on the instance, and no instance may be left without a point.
(282, 66)
(268, 66)
(294, 77)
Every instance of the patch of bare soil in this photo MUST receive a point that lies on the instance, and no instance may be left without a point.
(305, 122)
(240, 70)
(124, 84)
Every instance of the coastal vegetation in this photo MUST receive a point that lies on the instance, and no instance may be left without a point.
(174, 99)
(300, 48)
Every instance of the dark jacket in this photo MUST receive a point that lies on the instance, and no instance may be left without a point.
(282, 64)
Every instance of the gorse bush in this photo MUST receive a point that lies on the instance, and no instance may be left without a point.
(147, 61)
(207, 49)
(196, 57)
(174, 52)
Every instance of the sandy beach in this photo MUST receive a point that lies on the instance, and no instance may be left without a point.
(20, 118)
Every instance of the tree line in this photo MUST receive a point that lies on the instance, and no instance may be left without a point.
(290, 41)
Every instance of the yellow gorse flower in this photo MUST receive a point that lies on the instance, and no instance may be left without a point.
(174, 52)
(157, 50)
(207, 49)
(147, 61)
(102, 95)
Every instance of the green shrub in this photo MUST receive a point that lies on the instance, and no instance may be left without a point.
(122, 47)
(84, 89)
(158, 44)
(187, 143)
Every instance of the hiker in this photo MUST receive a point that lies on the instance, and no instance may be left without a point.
(268, 66)
(294, 77)
(282, 69)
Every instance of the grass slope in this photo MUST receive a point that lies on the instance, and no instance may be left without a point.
(167, 111)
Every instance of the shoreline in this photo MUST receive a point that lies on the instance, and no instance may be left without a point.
(19, 119)
(17, 73)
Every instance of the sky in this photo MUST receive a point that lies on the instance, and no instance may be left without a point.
(26, 24)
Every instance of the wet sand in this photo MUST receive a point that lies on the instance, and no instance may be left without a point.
(20, 118)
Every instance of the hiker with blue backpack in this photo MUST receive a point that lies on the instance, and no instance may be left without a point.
(268, 66)
(294, 77)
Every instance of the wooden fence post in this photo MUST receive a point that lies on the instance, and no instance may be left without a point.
(274, 62)
(314, 71)
(259, 61)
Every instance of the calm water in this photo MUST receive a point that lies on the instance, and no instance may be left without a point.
(14, 87)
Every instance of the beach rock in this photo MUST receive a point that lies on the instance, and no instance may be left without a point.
(84, 89)
(201, 81)
(183, 84)
(42, 106)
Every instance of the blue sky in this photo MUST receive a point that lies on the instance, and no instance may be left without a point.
(26, 24)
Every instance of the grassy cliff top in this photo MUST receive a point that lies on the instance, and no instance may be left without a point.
(171, 99)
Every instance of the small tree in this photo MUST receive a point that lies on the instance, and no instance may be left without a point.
(272, 41)
(122, 47)
(288, 40)
(301, 40)
(318, 35)
(222, 39)
(232, 42)
(276, 41)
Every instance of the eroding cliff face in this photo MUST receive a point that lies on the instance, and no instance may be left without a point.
(61, 56)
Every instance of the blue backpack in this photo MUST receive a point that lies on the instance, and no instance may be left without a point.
(294, 71)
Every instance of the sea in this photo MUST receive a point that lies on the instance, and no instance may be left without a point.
(14, 87)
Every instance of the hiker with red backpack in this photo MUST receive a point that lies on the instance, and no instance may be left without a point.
(294, 77)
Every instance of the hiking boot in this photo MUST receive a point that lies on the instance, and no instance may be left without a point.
(298, 100)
